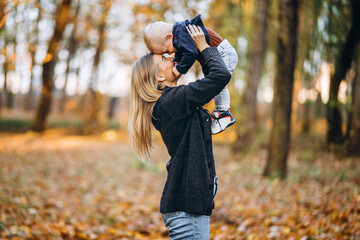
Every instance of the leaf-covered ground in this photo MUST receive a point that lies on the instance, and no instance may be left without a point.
(69, 187)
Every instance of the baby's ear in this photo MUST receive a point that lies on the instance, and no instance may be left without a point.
(169, 36)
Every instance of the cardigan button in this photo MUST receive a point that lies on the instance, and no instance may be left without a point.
(197, 108)
(207, 119)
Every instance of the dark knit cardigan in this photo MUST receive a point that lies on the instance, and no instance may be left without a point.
(185, 128)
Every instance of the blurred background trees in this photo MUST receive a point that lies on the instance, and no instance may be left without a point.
(68, 63)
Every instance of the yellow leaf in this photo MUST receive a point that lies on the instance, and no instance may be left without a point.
(275, 182)
(275, 212)
(239, 207)
(81, 235)
(48, 58)
(251, 236)
(112, 231)
(285, 230)
(267, 222)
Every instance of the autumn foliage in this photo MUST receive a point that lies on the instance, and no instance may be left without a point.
(71, 187)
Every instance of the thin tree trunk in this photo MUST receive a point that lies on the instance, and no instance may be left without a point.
(286, 56)
(10, 95)
(309, 13)
(32, 48)
(113, 101)
(48, 67)
(6, 67)
(92, 98)
(353, 147)
(256, 58)
(6, 64)
(306, 121)
(2, 31)
(73, 44)
(343, 62)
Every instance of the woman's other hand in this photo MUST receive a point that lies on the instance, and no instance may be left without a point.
(198, 36)
(176, 72)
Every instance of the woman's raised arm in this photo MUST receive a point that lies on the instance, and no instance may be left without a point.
(184, 99)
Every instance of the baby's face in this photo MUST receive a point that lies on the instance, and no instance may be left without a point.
(166, 47)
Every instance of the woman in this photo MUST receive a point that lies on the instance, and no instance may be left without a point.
(176, 112)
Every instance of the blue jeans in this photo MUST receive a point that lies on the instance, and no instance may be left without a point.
(184, 225)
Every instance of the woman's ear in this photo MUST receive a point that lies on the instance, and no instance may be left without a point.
(160, 77)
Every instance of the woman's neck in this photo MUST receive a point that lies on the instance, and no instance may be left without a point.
(171, 84)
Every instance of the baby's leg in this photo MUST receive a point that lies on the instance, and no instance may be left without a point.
(222, 100)
(230, 57)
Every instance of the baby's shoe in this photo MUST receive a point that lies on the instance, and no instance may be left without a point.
(222, 120)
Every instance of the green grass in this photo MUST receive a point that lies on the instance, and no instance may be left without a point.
(23, 124)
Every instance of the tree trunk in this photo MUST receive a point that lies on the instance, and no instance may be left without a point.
(308, 13)
(256, 58)
(113, 101)
(286, 55)
(9, 64)
(2, 29)
(48, 67)
(92, 99)
(6, 68)
(343, 62)
(72, 47)
(10, 95)
(354, 130)
(32, 48)
(306, 121)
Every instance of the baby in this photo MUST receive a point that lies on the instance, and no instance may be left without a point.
(161, 38)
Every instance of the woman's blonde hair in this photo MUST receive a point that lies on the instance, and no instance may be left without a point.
(144, 93)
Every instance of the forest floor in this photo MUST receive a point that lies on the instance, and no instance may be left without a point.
(55, 186)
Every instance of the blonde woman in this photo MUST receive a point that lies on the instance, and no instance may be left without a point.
(176, 112)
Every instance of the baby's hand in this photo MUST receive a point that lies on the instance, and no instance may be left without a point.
(175, 72)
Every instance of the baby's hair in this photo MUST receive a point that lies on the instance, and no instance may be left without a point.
(155, 33)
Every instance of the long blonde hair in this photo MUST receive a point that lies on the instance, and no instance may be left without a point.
(145, 91)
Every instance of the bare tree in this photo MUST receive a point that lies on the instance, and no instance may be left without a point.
(2, 32)
(286, 56)
(93, 98)
(257, 49)
(8, 64)
(343, 62)
(72, 47)
(354, 129)
(43, 109)
(32, 48)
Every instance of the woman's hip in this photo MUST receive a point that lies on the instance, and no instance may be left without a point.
(183, 225)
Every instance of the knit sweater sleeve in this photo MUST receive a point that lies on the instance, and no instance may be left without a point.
(182, 100)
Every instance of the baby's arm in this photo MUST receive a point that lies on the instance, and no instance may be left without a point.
(187, 60)
(186, 54)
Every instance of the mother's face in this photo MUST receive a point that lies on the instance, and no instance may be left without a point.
(165, 67)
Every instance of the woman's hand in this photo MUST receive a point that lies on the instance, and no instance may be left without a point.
(176, 72)
(198, 36)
